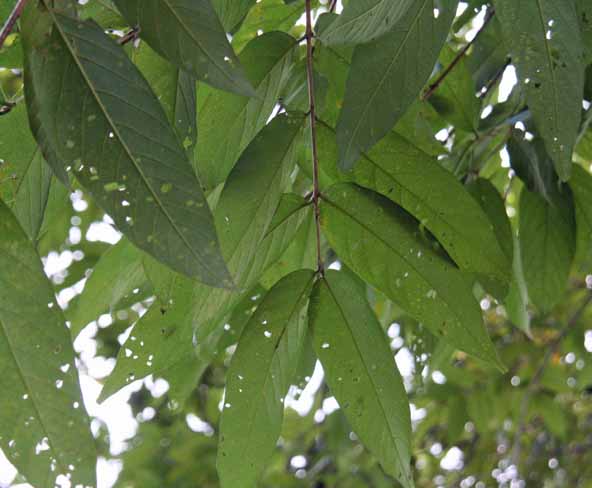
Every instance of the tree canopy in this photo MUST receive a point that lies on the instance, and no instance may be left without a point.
(295, 243)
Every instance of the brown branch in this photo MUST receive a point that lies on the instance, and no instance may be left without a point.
(434, 86)
(129, 36)
(11, 21)
(536, 379)
(491, 83)
(313, 132)
(333, 6)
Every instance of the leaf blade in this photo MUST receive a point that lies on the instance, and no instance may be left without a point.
(41, 418)
(189, 34)
(137, 172)
(348, 340)
(259, 377)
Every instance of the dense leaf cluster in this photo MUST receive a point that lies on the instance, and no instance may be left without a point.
(291, 183)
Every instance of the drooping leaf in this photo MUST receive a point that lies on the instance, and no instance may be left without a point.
(366, 20)
(227, 123)
(546, 44)
(246, 208)
(232, 12)
(415, 181)
(361, 372)
(116, 275)
(384, 81)
(547, 246)
(43, 426)
(383, 245)
(259, 376)
(24, 177)
(115, 134)
(189, 34)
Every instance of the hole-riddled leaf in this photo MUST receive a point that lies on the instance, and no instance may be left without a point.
(546, 44)
(259, 376)
(361, 371)
(44, 430)
(383, 245)
(115, 136)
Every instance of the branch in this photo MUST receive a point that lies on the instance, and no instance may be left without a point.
(333, 6)
(313, 132)
(491, 83)
(129, 36)
(434, 86)
(11, 21)
(536, 379)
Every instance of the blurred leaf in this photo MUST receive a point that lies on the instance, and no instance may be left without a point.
(547, 246)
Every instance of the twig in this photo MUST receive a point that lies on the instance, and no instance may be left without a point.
(313, 132)
(129, 36)
(434, 86)
(333, 6)
(491, 83)
(536, 379)
(11, 21)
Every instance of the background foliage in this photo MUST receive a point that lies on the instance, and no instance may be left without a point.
(296, 243)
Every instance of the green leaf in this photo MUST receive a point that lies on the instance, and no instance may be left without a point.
(547, 246)
(115, 276)
(290, 204)
(227, 123)
(384, 81)
(383, 245)
(581, 186)
(258, 379)
(361, 372)
(532, 163)
(163, 345)
(516, 302)
(245, 210)
(415, 181)
(455, 98)
(24, 177)
(545, 41)
(232, 12)
(494, 207)
(176, 91)
(366, 20)
(43, 424)
(123, 150)
(189, 34)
